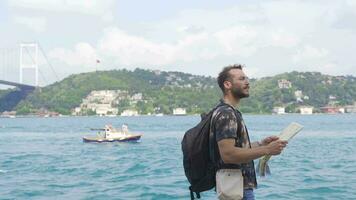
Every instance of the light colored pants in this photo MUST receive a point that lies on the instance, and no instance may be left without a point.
(248, 194)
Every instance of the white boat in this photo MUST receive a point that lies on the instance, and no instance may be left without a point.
(110, 134)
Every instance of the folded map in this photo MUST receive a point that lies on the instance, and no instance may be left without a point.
(288, 133)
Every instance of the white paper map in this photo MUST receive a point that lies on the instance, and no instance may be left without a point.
(288, 133)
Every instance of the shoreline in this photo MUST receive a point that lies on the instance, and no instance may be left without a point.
(188, 115)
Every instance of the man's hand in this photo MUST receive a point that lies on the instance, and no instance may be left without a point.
(276, 147)
(268, 140)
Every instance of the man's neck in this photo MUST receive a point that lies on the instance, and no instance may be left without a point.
(231, 100)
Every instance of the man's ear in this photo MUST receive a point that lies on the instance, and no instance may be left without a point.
(227, 85)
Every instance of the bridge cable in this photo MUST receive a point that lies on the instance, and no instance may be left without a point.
(44, 54)
(46, 82)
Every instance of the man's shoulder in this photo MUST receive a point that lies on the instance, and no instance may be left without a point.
(224, 109)
(225, 123)
(225, 112)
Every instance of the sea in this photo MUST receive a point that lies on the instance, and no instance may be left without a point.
(45, 158)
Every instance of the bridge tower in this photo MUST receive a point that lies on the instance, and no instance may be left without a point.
(31, 50)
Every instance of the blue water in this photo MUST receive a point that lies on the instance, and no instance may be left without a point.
(45, 158)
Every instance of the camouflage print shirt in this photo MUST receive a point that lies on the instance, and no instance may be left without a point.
(225, 125)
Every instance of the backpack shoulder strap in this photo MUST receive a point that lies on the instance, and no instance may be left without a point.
(238, 120)
(212, 141)
(238, 117)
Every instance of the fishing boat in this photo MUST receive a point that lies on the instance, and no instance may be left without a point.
(110, 134)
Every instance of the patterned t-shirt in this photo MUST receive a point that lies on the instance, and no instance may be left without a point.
(226, 126)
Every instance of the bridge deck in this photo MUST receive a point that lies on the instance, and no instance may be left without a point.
(19, 85)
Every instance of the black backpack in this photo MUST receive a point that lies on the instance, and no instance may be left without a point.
(199, 155)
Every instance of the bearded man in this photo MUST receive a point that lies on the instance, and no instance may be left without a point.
(236, 176)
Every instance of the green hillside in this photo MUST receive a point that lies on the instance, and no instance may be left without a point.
(266, 94)
(168, 90)
(165, 90)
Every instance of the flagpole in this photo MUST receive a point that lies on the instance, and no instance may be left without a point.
(96, 65)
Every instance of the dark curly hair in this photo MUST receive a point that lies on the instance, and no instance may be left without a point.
(224, 75)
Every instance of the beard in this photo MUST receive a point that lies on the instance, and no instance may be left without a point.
(238, 94)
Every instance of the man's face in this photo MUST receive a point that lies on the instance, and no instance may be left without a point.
(239, 84)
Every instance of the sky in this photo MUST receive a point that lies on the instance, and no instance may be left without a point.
(200, 37)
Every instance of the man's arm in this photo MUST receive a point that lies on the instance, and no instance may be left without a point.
(256, 144)
(264, 142)
(235, 155)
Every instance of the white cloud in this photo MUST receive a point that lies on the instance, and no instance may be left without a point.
(190, 29)
(119, 48)
(283, 38)
(309, 52)
(126, 49)
(351, 3)
(102, 8)
(194, 47)
(238, 40)
(37, 24)
(272, 36)
(83, 55)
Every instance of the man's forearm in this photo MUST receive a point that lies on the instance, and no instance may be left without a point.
(245, 155)
(255, 144)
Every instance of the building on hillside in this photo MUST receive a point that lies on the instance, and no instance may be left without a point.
(77, 111)
(298, 95)
(129, 112)
(333, 101)
(332, 97)
(102, 102)
(330, 109)
(105, 109)
(350, 109)
(9, 114)
(187, 85)
(279, 110)
(102, 96)
(179, 111)
(329, 82)
(107, 96)
(284, 84)
(306, 110)
(137, 97)
(43, 112)
(157, 72)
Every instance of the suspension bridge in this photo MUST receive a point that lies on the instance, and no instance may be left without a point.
(19, 70)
